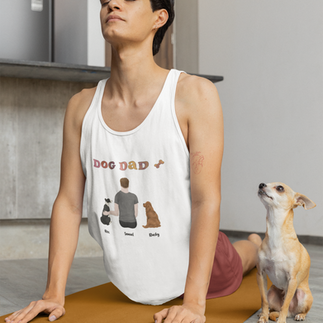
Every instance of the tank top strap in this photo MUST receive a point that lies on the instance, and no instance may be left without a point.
(172, 85)
(170, 113)
(97, 99)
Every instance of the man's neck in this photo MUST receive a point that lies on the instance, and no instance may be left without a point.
(133, 71)
(124, 190)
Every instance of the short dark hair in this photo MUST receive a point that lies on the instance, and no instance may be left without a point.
(124, 182)
(169, 6)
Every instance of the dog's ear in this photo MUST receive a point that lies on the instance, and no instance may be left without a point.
(302, 200)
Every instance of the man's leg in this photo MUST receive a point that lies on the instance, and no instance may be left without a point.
(131, 225)
(248, 251)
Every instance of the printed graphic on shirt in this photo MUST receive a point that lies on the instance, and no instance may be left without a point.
(152, 217)
(127, 204)
(125, 207)
(105, 218)
(159, 163)
(142, 165)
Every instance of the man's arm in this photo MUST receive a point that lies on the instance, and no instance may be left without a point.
(116, 210)
(205, 127)
(199, 112)
(66, 216)
(136, 210)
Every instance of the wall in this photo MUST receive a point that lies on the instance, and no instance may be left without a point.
(186, 39)
(77, 33)
(29, 239)
(270, 54)
(31, 120)
(25, 30)
(70, 32)
(96, 42)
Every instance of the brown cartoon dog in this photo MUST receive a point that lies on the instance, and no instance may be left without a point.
(152, 217)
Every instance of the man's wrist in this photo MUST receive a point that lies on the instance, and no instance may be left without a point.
(197, 307)
(59, 298)
(197, 303)
(195, 292)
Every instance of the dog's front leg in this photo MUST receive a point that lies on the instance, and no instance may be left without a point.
(292, 286)
(262, 284)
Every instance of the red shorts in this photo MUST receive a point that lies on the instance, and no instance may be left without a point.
(227, 271)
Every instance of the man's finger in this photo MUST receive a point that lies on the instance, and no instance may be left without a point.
(158, 317)
(18, 315)
(30, 312)
(57, 313)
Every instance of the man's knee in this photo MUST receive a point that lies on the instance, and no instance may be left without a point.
(247, 251)
(255, 238)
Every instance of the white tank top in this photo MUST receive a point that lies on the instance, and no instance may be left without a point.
(146, 257)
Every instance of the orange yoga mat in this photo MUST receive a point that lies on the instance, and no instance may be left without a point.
(105, 303)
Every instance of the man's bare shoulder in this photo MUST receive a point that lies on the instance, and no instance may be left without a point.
(79, 104)
(82, 100)
(196, 93)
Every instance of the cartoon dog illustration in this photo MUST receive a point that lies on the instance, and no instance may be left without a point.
(105, 218)
(152, 217)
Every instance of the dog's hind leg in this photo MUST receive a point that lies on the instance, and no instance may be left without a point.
(275, 298)
(301, 304)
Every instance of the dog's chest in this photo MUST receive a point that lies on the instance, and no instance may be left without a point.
(276, 263)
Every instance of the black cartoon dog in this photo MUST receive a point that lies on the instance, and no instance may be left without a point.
(105, 218)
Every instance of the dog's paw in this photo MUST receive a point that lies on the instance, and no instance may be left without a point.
(300, 317)
(263, 318)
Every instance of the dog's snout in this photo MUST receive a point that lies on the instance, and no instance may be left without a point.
(262, 185)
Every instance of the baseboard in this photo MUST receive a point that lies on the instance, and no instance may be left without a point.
(314, 240)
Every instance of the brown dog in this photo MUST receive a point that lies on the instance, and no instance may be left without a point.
(282, 257)
(152, 217)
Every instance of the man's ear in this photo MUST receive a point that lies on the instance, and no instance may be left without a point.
(161, 19)
(302, 200)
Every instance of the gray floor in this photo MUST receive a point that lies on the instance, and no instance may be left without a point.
(22, 281)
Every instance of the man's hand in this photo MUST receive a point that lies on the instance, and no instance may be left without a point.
(51, 307)
(181, 314)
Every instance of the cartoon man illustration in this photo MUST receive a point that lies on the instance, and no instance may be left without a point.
(126, 206)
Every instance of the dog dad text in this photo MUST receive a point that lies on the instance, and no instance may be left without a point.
(121, 165)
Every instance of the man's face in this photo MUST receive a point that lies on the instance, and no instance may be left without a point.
(127, 20)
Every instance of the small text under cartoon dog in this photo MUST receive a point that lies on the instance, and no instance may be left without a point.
(152, 217)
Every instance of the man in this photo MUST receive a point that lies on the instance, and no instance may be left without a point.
(136, 95)
(126, 206)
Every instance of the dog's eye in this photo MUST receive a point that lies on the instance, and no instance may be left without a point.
(280, 188)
